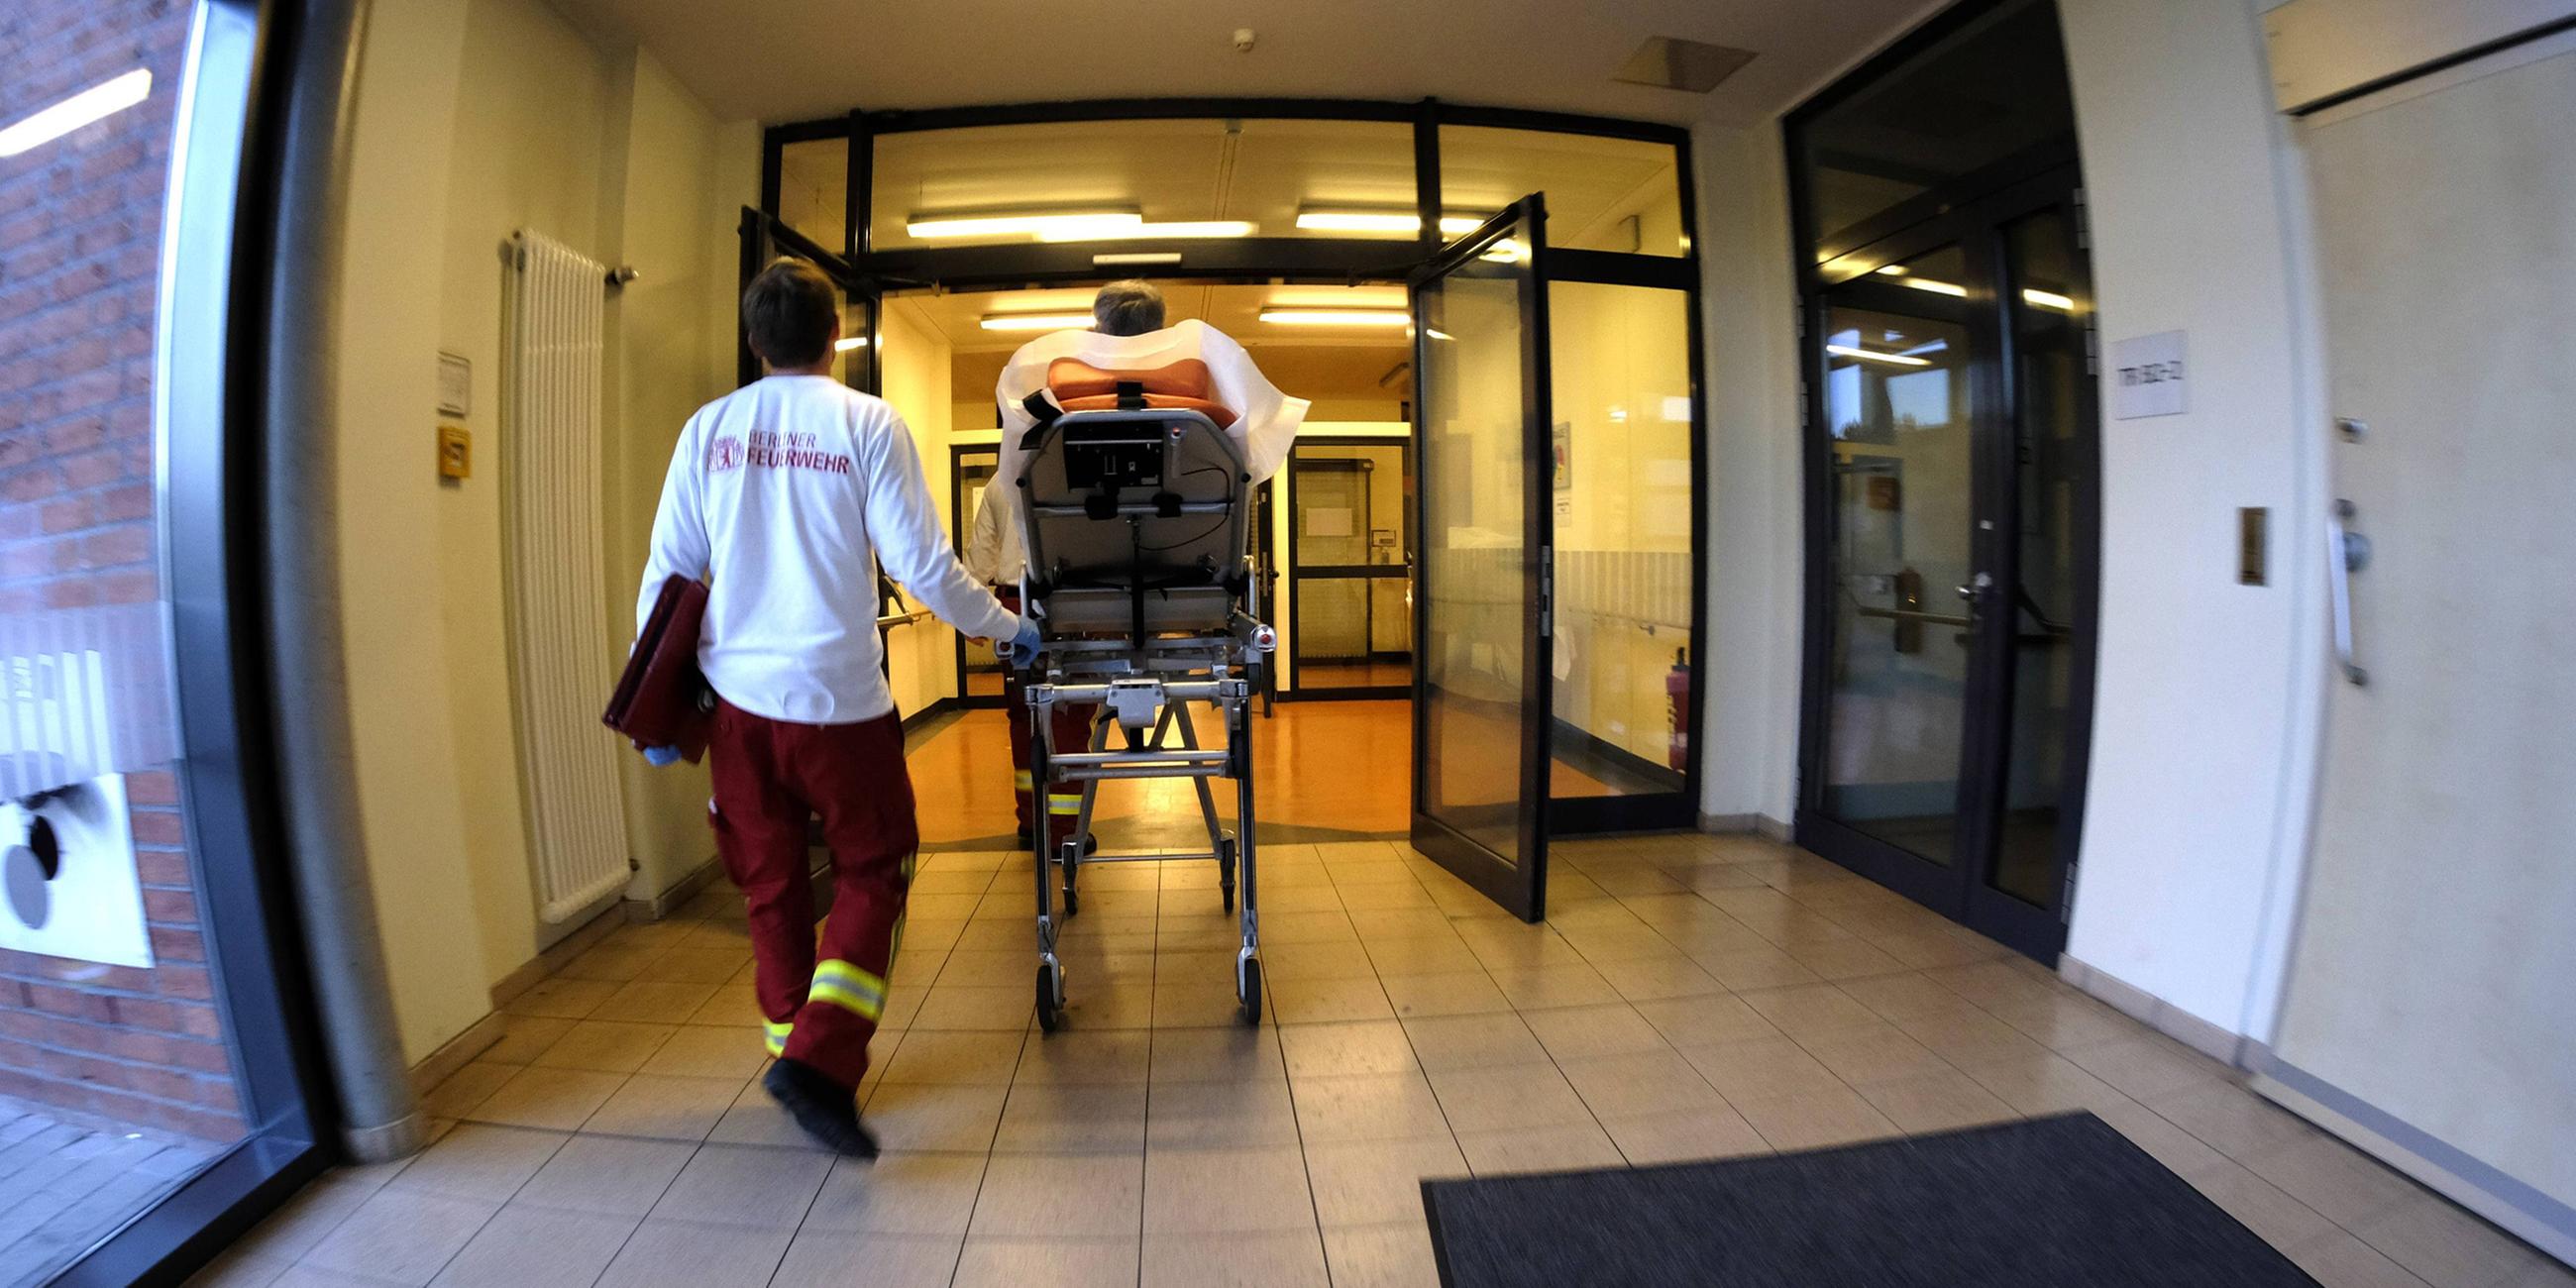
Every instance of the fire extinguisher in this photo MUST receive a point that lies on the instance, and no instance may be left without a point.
(1677, 716)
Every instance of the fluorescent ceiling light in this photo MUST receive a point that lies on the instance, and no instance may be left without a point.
(2049, 300)
(1937, 288)
(849, 342)
(1120, 232)
(1139, 257)
(1400, 222)
(1336, 317)
(1873, 355)
(1034, 321)
(1892, 270)
(1020, 223)
(95, 103)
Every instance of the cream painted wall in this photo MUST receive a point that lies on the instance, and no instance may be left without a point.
(532, 122)
(921, 657)
(2206, 719)
(1752, 478)
(475, 118)
(391, 511)
(665, 203)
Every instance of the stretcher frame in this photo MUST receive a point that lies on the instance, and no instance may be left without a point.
(1143, 682)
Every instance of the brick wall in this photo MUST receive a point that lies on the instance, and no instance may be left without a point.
(80, 227)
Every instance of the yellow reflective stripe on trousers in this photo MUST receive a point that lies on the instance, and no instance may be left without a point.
(1064, 804)
(777, 1036)
(911, 863)
(848, 987)
(1022, 781)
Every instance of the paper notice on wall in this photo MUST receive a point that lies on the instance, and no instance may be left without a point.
(2147, 377)
(1328, 521)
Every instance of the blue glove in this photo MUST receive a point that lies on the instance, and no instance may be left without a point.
(1023, 647)
(658, 757)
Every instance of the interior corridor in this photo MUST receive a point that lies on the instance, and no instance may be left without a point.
(1692, 997)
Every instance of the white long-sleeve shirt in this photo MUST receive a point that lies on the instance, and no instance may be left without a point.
(993, 550)
(785, 495)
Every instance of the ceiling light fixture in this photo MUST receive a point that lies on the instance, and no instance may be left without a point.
(1937, 288)
(1873, 355)
(1337, 317)
(1137, 257)
(1402, 223)
(46, 124)
(2049, 300)
(1020, 223)
(1892, 270)
(1140, 231)
(849, 342)
(1034, 321)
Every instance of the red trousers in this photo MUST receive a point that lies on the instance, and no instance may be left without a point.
(1072, 727)
(821, 1002)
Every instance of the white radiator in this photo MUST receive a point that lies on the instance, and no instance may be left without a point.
(560, 675)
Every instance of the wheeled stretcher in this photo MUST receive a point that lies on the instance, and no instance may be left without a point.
(1137, 521)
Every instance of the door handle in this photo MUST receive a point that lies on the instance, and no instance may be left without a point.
(2347, 552)
(1974, 590)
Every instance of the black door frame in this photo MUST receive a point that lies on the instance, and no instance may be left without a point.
(1964, 889)
(1519, 884)
(1296, 573)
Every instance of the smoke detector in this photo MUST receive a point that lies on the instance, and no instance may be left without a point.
(1243, 38)
(1669, 62)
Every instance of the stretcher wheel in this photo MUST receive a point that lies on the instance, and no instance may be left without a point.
(1050, 997)
(1248, 989)
(1225, 872)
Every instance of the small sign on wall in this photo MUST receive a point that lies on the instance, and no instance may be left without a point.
(2148, 377)
(455, 385)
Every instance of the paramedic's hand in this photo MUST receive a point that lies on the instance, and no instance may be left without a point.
(661, 756)
(1023, 648)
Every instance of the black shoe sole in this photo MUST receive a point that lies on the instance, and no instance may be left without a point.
(816, 1118)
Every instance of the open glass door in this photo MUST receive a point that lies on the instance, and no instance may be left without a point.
(1481, 678)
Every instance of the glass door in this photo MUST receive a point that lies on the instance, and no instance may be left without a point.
(970, 467)
(1952, 571)
(1482, 607)
(1350, 556)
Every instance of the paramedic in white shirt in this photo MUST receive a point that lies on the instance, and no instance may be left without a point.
(1127, 335)
(786, 495)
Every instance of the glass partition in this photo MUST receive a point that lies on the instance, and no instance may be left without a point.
(1961, 107)
(1107, 181)
(814, 190)
(1620, 361)
(1602, 193)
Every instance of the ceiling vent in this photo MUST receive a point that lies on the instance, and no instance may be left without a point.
(1670, 63)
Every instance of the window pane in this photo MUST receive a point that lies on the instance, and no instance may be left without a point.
(117, 1080)
(1621, 366)
(814, 188)
(1902, 544)
(1602, 193)
(1114, 180)
(1964, 105)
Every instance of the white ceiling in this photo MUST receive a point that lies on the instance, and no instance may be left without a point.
(799, 59)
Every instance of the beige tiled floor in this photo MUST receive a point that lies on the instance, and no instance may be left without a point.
(1693, 997)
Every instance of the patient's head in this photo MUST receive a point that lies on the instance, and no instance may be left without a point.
(791, 314)
(1127, 308)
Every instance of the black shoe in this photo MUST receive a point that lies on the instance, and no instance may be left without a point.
(825, 1109)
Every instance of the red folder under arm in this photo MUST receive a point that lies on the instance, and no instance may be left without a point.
(662, 700)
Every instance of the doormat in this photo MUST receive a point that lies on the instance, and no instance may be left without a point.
(2043, 1203)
